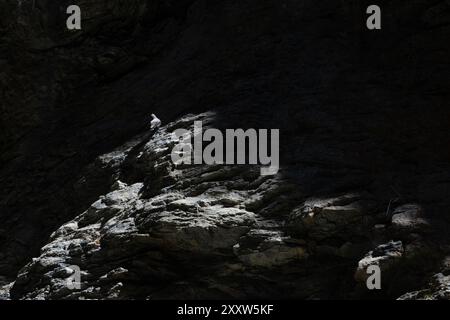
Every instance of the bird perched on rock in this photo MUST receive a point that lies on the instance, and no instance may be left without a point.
(155, 123)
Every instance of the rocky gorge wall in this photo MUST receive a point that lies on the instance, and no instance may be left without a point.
(364, 175)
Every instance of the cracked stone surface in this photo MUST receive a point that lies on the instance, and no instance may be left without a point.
(364, 176)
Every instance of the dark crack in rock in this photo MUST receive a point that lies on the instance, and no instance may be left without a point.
(364, 176)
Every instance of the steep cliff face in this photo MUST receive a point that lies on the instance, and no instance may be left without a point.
(62, 106)
(364, 175)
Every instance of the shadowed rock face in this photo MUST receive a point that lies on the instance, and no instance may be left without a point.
(364, 173)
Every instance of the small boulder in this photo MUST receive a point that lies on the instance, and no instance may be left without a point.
(409, 218)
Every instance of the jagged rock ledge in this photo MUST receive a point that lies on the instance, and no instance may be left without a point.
(218, 232)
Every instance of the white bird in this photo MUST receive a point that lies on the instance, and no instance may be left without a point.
(155, 123)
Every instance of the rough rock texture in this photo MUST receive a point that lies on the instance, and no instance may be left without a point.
(128, 244)
(365, 163)
(384, 256)
(437, 289)
(205, 231)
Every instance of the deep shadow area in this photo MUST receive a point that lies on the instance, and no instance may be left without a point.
(357, 109)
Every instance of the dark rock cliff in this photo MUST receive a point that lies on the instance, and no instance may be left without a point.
(365, 170)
